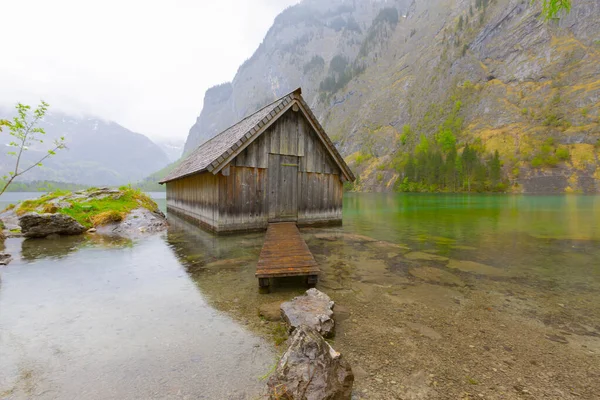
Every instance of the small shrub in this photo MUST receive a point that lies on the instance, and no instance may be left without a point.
(537, 162)
(379, 177)
(106, 217)
(525, 111)
(362, 158)
(49, 208)
(562, 153)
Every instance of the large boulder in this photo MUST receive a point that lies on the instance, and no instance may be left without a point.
(42, 225)
(313, 309)
(311, 369)
(138, 222)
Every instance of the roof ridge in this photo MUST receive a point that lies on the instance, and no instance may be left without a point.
(245, 118)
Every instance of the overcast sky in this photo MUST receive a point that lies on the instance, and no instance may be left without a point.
(142, 63)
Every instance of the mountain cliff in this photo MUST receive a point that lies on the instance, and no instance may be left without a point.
(98, 152)
(403, 87)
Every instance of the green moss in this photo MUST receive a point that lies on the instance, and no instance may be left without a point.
(94, 211)
(472, 381)
(279, 333)
(32, 205)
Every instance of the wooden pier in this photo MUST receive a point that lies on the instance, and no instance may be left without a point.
(285, 253)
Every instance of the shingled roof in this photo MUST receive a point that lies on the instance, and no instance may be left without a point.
(215, 153)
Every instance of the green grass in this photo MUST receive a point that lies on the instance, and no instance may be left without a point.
(94, 212)
(31, 205)
(279, 333)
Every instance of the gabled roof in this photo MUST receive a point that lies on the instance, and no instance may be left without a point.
(216, 153)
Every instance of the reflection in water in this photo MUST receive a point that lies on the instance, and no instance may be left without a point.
(118, 322)
(33, 249)
(58, 247)
(436, 297)
(419, 278)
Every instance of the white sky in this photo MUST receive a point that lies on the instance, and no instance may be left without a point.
(142, 63)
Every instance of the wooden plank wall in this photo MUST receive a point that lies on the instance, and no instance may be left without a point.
(239, 201)
(195, 197)
(320, 189)
(243, 199)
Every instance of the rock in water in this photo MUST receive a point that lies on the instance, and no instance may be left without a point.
(270, 311)
(311, 369)
(5, 258)
(42, 225)
(313, 309)
(138, 222)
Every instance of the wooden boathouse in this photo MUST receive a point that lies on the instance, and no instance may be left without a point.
(276, 165)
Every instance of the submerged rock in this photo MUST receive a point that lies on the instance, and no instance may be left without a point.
(311, 369)
(436, 275)
(42, 225)
(270, 311)
(313, 309)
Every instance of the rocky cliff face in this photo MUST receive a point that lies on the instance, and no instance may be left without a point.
(369, 69)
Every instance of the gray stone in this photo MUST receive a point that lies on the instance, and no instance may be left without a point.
(138, 222)
(313, 309)
(311, 369)
(42, 225)
(5, 258)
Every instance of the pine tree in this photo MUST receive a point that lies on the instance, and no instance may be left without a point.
(495, 169)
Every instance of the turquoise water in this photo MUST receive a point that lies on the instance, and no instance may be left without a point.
(421, 282)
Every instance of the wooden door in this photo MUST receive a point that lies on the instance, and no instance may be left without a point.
(283, 188)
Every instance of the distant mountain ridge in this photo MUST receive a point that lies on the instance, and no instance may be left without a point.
(369, 68)
(99, 152)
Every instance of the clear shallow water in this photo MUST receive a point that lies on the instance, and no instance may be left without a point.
(435, 276)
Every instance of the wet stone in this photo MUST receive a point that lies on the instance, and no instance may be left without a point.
(435, 275)
(311, 369)
(313, 309)
(422, 256)
(42, 225)
(5, 258)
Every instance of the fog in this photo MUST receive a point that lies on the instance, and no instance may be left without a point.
(144, 64)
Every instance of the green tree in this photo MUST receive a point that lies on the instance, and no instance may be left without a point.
(450, 170)
(469, 164)
(409, 169)
(460, 23)
(551, 9)
(423, 146)
(495, 169)
(446, 140)
(25, 132)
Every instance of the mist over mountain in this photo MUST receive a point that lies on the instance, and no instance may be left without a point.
(98, 152)
(385, 77)
(173, 148)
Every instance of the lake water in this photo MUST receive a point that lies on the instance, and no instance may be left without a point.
(437, 296)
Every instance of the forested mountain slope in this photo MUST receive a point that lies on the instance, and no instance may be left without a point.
(404, 87)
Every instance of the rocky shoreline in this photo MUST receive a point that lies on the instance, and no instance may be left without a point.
(123, 212)
(310, 368)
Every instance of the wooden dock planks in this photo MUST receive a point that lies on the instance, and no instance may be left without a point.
(285, 253)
